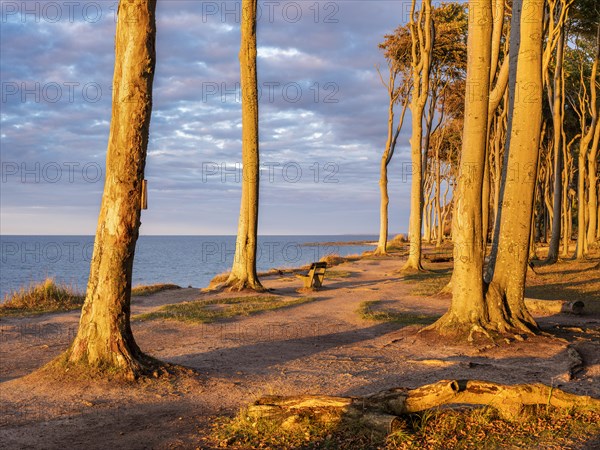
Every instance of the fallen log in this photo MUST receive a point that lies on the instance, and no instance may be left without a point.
(380, 411)
(554, 306)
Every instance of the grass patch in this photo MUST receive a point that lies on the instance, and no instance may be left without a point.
(206, 311)
(540, 427)
(40, 298)
(368, 311)
(424, 284)
(144, 290)
(333, 260)
(301, 432)
(337, 274)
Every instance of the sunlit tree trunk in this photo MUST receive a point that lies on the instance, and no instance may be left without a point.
(104, 339)
(468, 309)
(421, 32)
(557, 123)
(593, 189)
(495, 97)
(505, 295)
(243, 272)
(592, 159)
(390, 145)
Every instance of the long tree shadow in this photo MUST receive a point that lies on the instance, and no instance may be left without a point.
(276, 344)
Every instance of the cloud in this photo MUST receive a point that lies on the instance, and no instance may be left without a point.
(322, 124)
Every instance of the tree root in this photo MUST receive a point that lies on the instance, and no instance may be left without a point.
(127, 368)
(380, 411)
(235, 284)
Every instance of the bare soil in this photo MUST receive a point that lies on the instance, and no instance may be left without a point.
(322, 347)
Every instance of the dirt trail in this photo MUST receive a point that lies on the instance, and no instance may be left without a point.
(319, 347)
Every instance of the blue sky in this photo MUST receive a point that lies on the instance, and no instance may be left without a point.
(322, 124)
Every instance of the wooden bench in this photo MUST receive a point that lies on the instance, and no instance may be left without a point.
(315, 276)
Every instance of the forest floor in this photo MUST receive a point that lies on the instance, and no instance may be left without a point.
(325, 346)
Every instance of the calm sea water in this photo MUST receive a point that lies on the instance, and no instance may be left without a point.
(182, 260)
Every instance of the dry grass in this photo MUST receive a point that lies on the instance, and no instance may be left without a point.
(211, 310)
(44, 297)
(568, 280)
(149, 289)
(428, 283)
(333, 260)
(483, 428)
(370, 311)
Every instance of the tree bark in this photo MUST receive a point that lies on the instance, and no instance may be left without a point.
(584, 142)
(557, 123)
(508, 263)
(468, 308)
(104, 339)
(243, 272)
(390, 146)
(592, 235)
(421, 32)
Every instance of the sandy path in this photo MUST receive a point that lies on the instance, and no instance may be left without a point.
(318, 347)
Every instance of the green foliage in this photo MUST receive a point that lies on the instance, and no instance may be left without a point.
(40, 298)
(210, 310)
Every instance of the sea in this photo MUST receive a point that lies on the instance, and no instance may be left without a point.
(182, 260)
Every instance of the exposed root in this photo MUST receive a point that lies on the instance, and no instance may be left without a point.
(381, 409)
(121, 367)
(412, 267)
(235, 284)
(476, 328)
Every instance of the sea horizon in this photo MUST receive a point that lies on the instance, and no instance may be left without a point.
(184, 260)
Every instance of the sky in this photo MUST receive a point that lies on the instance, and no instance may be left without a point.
(323, 117)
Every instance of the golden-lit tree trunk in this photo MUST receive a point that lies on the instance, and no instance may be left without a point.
(567, 210)
(390, 145)
(557, 124)
(104, 339)
(588, 137)
(495, 97)
(243, 272)
(592, 235)
(468, 308)
(505, 295)
(421, 32)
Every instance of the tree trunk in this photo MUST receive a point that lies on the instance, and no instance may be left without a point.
(243, 272)
(390, 146)
(509, 262)
(383, 208)
(422, 39)
(104, 339)
(557, 124)
(593, 189)
(584, 142)
(468, 308)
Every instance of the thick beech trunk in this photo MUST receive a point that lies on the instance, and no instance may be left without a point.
(243, 272)
(468, 308)
(104, 340)
(509, 258)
